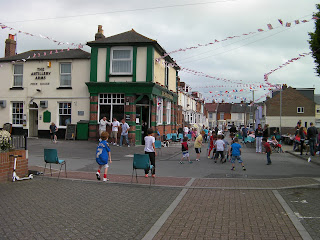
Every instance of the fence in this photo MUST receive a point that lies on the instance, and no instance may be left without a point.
(18, 142)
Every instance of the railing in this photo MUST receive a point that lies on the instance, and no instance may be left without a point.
(18, 142)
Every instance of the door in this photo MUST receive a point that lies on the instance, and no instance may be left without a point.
(33, 122)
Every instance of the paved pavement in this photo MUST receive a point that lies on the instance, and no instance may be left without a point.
(202, 200)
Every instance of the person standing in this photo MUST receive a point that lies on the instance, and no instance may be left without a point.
(235, 153)
(267, 148)
(185, 130)
(244, 132)
(114, 133)
(185, 150)
(312, 134)
(258, 135)
(103, 125)
(265, 133)
(198, 144)
(124, 132)
(53, 131)
(220, 149)
(302, 135)
(150, 149)
(233, 129)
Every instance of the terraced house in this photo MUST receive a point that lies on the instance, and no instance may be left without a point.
(129, 79)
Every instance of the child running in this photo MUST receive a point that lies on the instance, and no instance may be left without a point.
(226, 148)
(212, 142)
(198, 144)
(185, 151)
(219, 149)
(267, 148)
(235, 152)
(103, 156)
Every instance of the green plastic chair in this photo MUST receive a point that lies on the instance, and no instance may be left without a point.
(51, 157)
(157, 145)
(140, 161)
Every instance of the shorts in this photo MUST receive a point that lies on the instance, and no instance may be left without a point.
(221, 153)
(114, 134)
(105, 165)
(185, 154)
(234, 158)
(198, 150)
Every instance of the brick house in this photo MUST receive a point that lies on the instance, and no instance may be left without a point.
(224, 114)
(297, 104)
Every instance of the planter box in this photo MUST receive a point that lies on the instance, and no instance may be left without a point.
(6, 164)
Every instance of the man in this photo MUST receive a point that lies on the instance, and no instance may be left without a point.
(258, 135)
(103, 125)
(244, 132)
(312, 134)
(124, 132)
(233, 129)
(114, 133)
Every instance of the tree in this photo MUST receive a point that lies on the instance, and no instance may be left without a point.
(315, 41)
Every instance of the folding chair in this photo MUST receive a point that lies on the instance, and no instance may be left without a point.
(157, 145)
(141, 161)
(189, 136)
(51, 157)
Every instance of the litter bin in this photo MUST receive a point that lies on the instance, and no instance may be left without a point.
(83, 130)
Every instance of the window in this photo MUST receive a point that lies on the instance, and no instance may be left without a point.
(111, 105)
(17, 113)
(300, 109)
(64, 113)
(18, 75)
(210, 125)
(222, 116)
(159, 111)
(121, 60)
(168, 112)
(65, 74)
(166, 75)
(318, 110)
(210, 116)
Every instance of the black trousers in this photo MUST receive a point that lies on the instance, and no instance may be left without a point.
(152, 156)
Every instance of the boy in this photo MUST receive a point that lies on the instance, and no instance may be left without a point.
(103, 156)
(267, 149)
(235, 152)
(185, 150)
(226, 148)
(220, 149)
(212, 142)
(198, 144)
(149, 148)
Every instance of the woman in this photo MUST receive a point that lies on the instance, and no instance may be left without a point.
(302, 135)
(53, 130)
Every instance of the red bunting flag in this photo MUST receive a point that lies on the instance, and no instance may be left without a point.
(288, 24)
(280, 21)
(296, 21)
(315, 17)
(260, 30)
(270, 26)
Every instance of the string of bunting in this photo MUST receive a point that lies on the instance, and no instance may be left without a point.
(269, 26)
(77, 45)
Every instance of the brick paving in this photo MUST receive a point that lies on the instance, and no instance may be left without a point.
(228, 214)
(51, 209)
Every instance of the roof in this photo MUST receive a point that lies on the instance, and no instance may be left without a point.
(317, 98)
(238, 108)
(211, 107)
(45, 55)
(224, 107)
(126, 37)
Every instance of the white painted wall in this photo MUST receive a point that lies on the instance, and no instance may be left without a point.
(102, 60)
(141, 68)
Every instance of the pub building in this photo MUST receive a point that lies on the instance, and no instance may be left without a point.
(43, 86)
(130, 79)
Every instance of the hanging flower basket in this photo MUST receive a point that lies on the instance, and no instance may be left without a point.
(5, 139)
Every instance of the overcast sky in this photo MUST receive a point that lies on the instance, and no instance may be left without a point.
(179, 24)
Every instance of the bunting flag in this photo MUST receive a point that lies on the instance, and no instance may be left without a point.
(270, 27)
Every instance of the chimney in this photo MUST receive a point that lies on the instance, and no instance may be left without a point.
(10, 48)
(99, 34)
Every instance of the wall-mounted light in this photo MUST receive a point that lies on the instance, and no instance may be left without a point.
(39, 90)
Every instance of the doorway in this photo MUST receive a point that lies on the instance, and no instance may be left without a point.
(33, 120)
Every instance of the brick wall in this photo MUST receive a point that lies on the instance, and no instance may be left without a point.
(6, 165)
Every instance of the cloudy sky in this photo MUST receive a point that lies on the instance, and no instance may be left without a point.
(179, 24)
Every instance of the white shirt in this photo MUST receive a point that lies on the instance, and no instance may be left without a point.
(186, 129)
(103, 124)
(220, 145)
(125, 127)
(115, 124)
(148, 143)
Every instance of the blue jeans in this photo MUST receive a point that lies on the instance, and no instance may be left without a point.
(126, 137)
(268, 157)
(312, 143)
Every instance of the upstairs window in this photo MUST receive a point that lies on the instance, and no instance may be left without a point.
(300, 109)
(65, 74)
(159, 111)
(166, 75)
(121, 60)
(18, 75)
